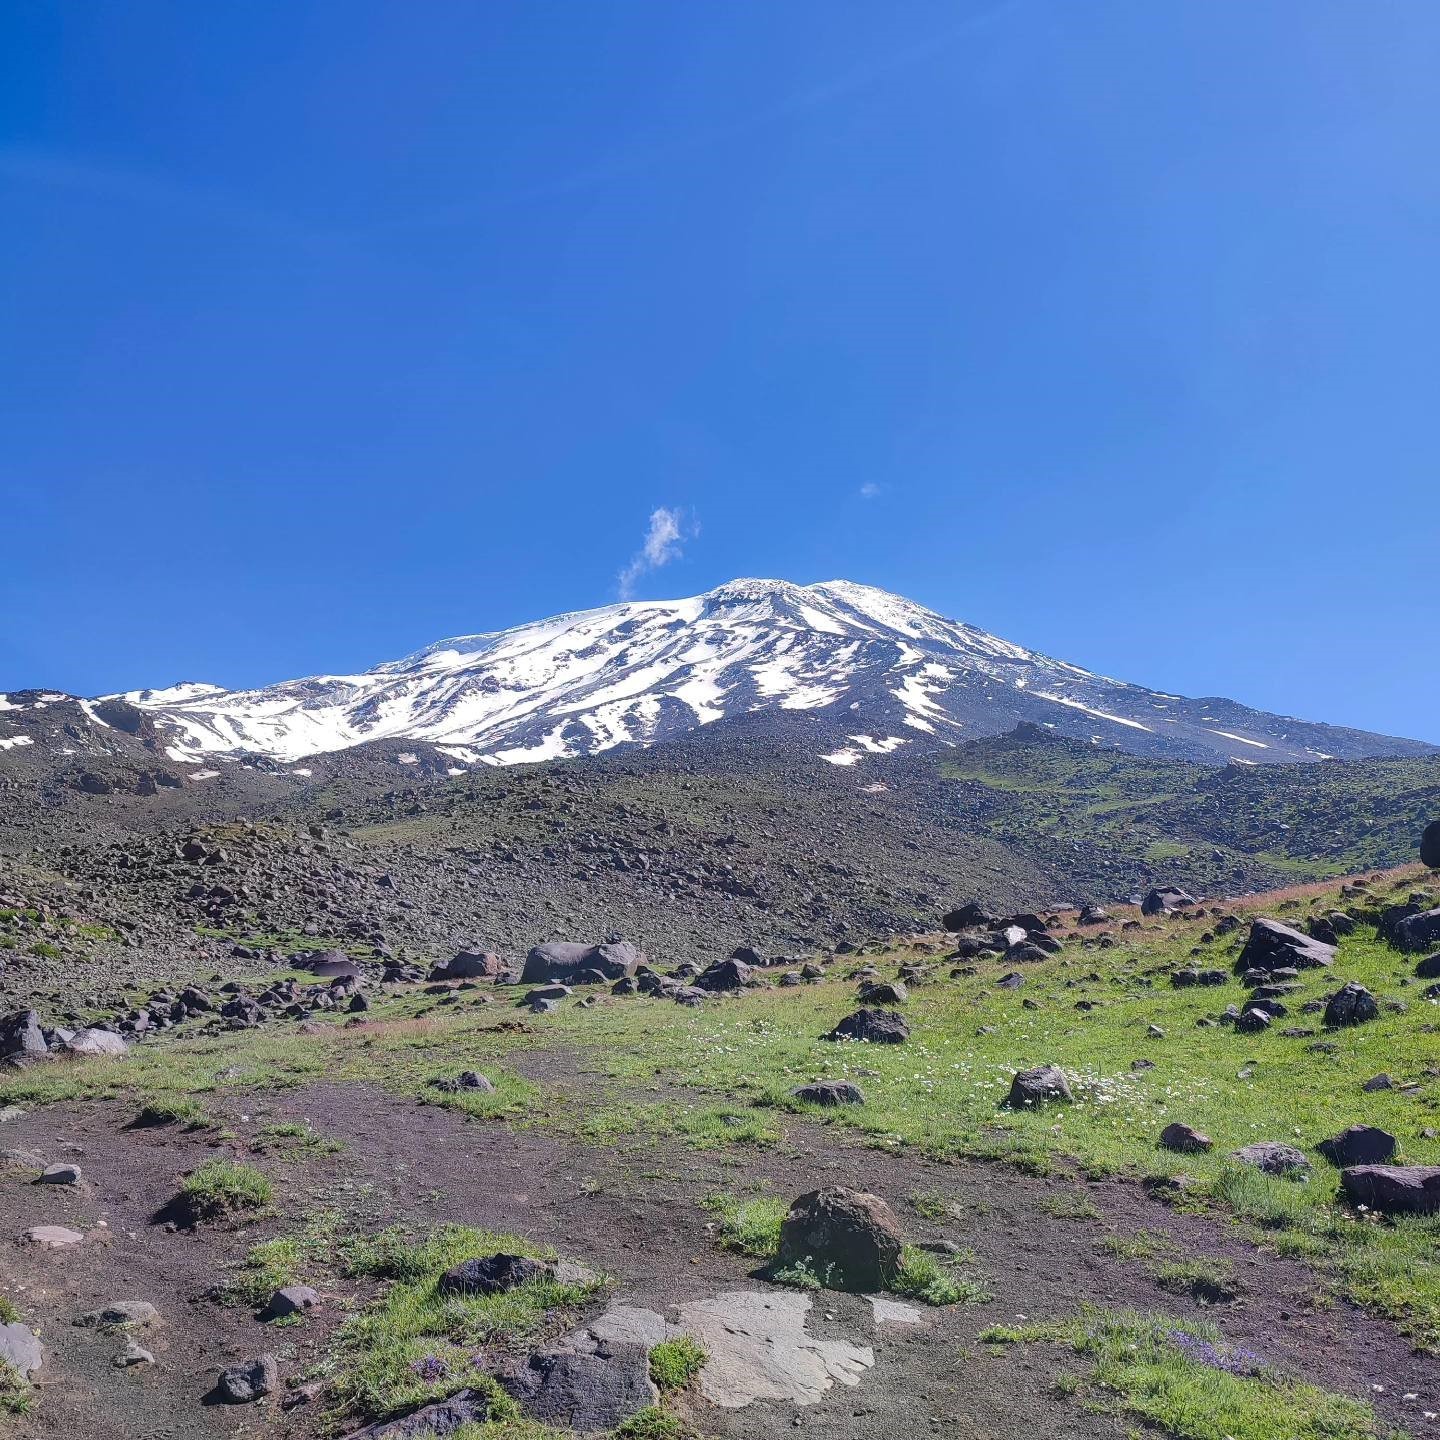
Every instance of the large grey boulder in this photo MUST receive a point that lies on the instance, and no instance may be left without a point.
(96, 1042)
(567, 960)
(120, 1315)
(849, 1238)
(1393, 1189)
(1274, 1157)
(492, 1274)
(248, 1381)
(723, 975)
(875, 1027)
(1035, 1087)
(1273, 945)
(1165, 898)
(469, 965)
(21, 1036)
(443, 1418)
(829, 1093)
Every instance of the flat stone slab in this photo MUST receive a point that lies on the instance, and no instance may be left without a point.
(759, 1350)
(894, 1312)
(628, 1324)
(52, 1237)
(20, 1348)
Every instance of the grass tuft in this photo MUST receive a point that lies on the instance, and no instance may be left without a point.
(926, 1277)
(675, 1363)
(225, 1187)
(749, 1227)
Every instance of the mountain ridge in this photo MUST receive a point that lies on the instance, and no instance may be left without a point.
(884, 671)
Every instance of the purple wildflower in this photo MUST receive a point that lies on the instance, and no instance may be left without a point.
(431, 1369)
(1232, 1359)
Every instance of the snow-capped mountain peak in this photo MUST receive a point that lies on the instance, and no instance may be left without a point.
(888, 672)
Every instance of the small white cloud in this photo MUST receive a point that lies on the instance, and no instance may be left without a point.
(869, 490)
(664, 542)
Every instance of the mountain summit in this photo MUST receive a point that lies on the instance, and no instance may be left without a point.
(881, 671)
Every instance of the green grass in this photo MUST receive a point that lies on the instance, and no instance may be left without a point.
(1164, 1373)
(939, 1095)
(414, 1345)
(932, 1205)
(675, 1363)
(652, 1424)
(1141, 1245)
(16, 1396)
(1209, 1281)
(923, 1276)
(9, 1314)
(224, 1187)
(292, 1136)
(180, 1110)
(749, 1227)
(266, 1268)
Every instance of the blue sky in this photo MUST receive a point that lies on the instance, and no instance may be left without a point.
(330, 329)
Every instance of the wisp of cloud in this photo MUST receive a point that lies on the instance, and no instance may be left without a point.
(663, 543)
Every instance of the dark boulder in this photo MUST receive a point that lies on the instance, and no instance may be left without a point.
(1418, 932)
(1191, 976)
(584, 1389)
(1185, 1139)
(876, 1027)
(1430, 845)
(1272, 945)
(443, 1418)
(1393, 1189)
(247, 1381)
(565, 960)
(469, 965)
(1025, 952)
(1428, 968)
(725, 975)
(492, 1275)
(1093, 915)
(884, 992)
(331, 965)
(830, 1092)
(1165, 898)
(973, 916)
(848, 1238)
(1038, 1086)
(1351, 1004)
(1359, 1145)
